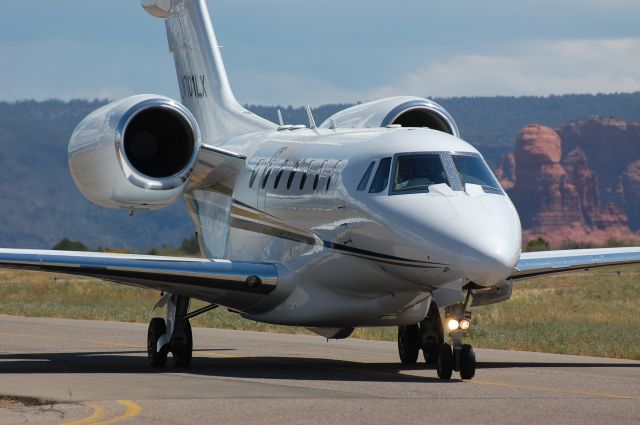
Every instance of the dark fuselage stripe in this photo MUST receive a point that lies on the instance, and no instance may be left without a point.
(270, 230)
(360, 251)
(253, 226)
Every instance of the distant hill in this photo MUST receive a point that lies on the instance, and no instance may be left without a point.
(40, 203)
(492, 124)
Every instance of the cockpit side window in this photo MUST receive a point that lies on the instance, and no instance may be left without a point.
(472, 169)
(381, 179)
(417, 172)
(365, 178)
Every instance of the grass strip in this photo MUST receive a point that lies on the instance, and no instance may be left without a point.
(587, 313)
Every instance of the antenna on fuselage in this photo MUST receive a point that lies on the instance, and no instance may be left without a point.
(280, 120)
(312, 122)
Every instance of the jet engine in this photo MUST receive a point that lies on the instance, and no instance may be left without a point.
(135, 153)
(406, 111)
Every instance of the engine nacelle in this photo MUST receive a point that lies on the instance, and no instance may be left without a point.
(135, 153)
(407, 111)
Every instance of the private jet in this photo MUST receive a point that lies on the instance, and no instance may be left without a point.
(379, 216)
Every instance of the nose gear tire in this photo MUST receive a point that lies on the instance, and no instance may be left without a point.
(467, 362)
(157, 328)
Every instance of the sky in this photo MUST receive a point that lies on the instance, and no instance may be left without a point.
(292, 52)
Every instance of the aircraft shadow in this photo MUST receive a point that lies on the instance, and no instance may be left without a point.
(276, 368)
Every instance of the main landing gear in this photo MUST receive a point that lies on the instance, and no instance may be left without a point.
(173, 335)
(428, 336)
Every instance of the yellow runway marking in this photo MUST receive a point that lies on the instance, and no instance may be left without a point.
(98, 413)
(555, 390)
(215, 355)
(131, 410)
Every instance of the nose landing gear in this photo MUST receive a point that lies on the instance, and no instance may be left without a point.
(428, 336)
(462, 359)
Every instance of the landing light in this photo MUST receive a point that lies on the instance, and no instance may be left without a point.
(453, 324)
(464, 324)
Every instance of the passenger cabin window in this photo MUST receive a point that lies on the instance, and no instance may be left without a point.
(417, 172)
(365, 178)
(381, 179)
(279, 175)
(303, 180)
(265, 178)
(254, 174)
(292, 174)
(472, 169)
(332, 177)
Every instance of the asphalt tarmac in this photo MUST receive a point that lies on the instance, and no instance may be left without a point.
(91, 372)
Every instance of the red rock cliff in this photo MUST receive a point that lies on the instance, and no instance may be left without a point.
(578, 183)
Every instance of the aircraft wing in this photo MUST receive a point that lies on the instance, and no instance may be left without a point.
(534, 264)
(232, 284)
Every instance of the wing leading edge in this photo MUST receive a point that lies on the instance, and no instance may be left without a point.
(534, 264)
(232, 284)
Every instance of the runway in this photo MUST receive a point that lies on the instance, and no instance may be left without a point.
(95, 373)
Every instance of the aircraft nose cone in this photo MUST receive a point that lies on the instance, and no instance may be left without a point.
(489, 259)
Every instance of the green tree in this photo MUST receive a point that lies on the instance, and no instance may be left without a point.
(538, 244)
(67, 244)
(190, 245)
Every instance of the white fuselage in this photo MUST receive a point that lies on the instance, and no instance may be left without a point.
(349, 256)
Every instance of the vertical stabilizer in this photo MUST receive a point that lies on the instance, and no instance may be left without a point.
(203, 82)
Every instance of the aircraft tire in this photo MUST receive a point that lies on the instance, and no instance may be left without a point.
(445, 362)
(408, 343)
(182, 356)
(157, 328)
(467, 362)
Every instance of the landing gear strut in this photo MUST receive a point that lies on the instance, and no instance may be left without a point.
(462, 359)
(173, 335)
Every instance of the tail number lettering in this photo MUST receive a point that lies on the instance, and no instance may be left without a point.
(194, 86)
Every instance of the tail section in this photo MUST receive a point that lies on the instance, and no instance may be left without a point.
(204, 86)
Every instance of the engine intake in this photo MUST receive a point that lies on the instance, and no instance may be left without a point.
(405, 111)
(158, 142)
(135, 153)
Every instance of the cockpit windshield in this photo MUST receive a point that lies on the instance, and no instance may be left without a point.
(472, 169)
(414, 172)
